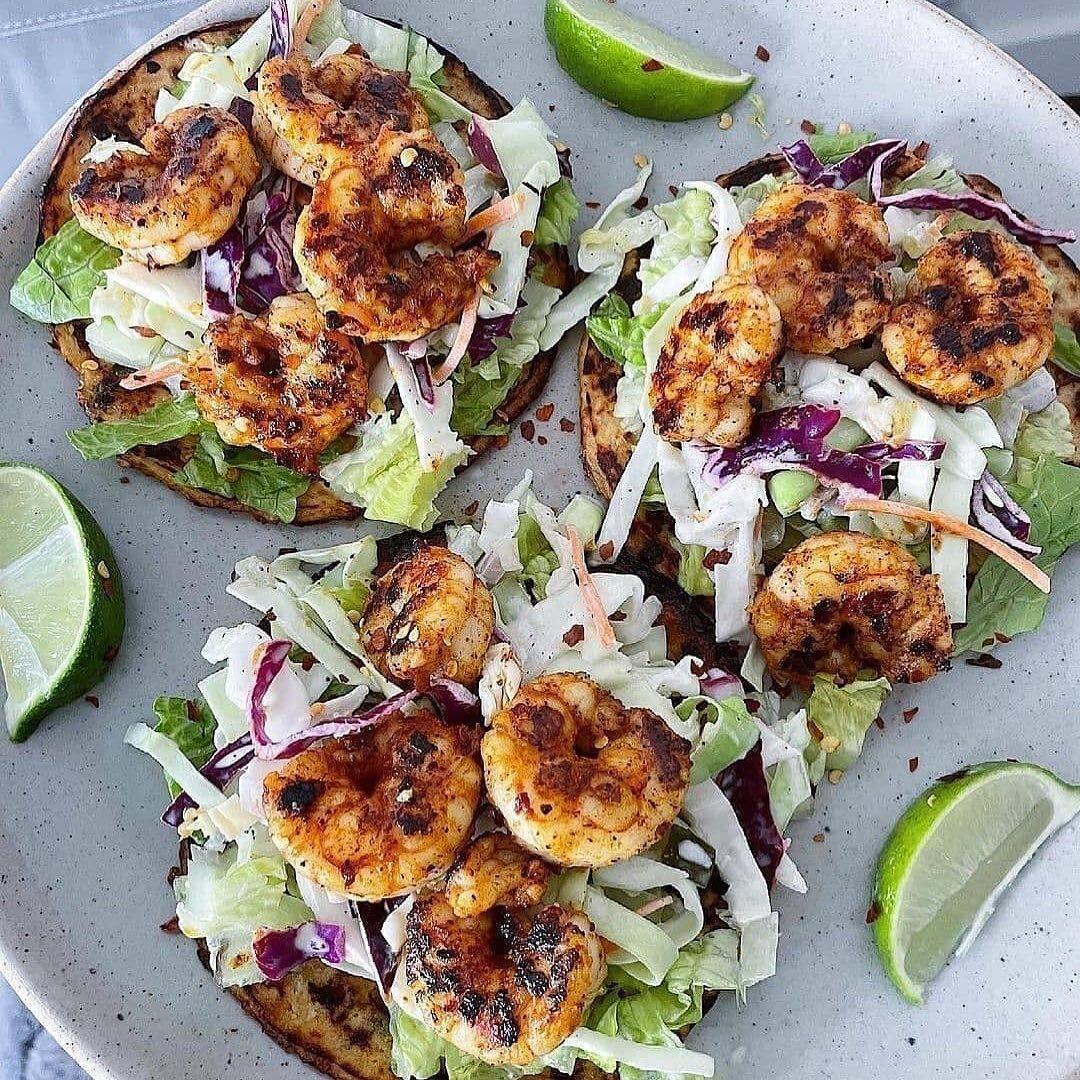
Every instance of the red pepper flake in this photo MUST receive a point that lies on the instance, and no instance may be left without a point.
(307, 661)
(528, 430)
(762, 54)
(879, 723)
(652, 65)
(921, 150)
(910, 714)
(271, 615)
(541, 440)
(873, 913)
(617, 616)
(574, 635)
(110, 653)
(808, 127)
(527, 237)
(606, 550)
(673, 189)
(171, 926)
(640, 204)
(814, 730)
(545, 412)
(471, 508)
(592, 205)
(1002, 639)
(752, 705)
(984, 660)
(913, 764)
(819, 838)
(566, 424)
(716, 558)
(93, 701)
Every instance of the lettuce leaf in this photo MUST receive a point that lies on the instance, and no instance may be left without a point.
(843, 715)
(1066, 349)
(618, 333)
(728, 735)
(191, 725)
(559, 209)
(693, 578)
(168, 420)
(1045, 434)
(1000, 600)
(383, 474)
(65, 270)
(227, 901)
(831, 148)
(245, 474)
(689, 233)
(479, 389)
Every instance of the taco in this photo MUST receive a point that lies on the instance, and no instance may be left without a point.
(540, 839)
(847, 336)
(302, 352)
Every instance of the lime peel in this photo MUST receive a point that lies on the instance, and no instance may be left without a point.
(950, 858)
(61, 597)
(635, 66)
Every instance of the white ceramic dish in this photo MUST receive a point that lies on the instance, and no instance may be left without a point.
(83, 857)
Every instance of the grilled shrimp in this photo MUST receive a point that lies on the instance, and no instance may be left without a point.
(714, 363)
(381, 812)
(353, 241)
(310, 118)
(842, 602)
(818, 253)
(183, 195)
(494, 870)
(579, 778)
(507, 985)
(429, 615)
(976, 320)
(283, 381)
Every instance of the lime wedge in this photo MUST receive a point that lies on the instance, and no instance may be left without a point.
(637, 67)
(61, 599)
(950, 858)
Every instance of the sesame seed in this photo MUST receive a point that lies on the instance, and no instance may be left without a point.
(640, 160)
(408, 156)
(103, 570)
(404, 796)
(830, 744)
(843, 128)
(726, 120)
(835, 775)
(90, 365)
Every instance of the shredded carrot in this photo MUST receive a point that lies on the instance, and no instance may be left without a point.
(1039, 578)
(589, 591)
(654, 905)
(461, 342)
(153, 375)
(303, 24)
(495, 214)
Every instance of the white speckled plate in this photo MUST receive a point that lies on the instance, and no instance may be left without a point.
(83, 857)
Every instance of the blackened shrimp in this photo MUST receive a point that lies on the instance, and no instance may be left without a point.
(429, 615)
(283, 381)
(496, 871)
(309, 119)
(506, 986)
(181, 196)
(818, 253)
(976, 320)
(354, 239)
(578, 777)
(381, 812)
(842, 602)
(714, 363)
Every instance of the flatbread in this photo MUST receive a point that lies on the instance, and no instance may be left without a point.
(337, 1022)
(124, 106)
(605, 445)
